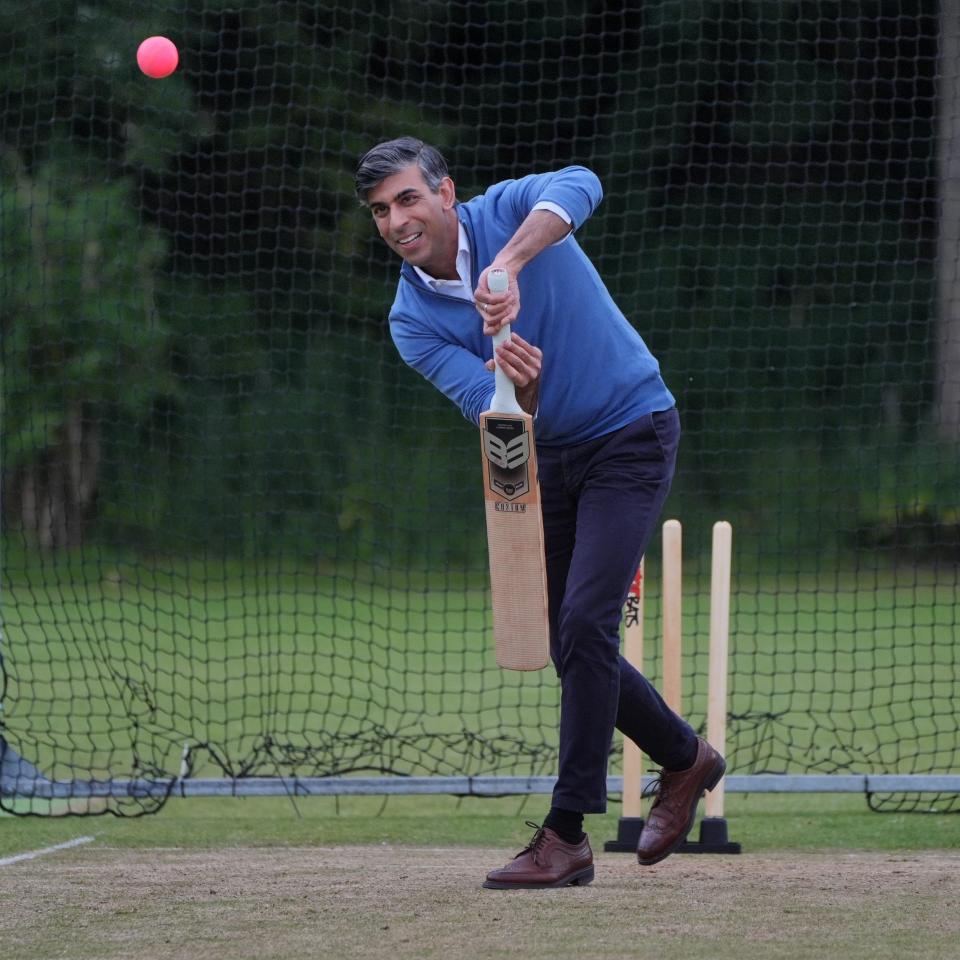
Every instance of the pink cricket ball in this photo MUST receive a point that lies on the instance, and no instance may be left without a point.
(157, 57)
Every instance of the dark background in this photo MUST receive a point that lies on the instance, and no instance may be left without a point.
(195, 353)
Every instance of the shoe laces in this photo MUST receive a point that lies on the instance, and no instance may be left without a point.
(659, 788)
(536, 841)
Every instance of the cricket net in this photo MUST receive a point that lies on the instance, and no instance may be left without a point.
(243, 544)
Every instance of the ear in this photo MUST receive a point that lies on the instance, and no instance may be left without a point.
(448, 193)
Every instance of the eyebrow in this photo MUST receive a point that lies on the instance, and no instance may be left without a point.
(402, 193)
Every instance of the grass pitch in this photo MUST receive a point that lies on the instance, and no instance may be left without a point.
(418, 903)
(399, 878)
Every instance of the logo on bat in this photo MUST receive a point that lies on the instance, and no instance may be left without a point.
(506, 445)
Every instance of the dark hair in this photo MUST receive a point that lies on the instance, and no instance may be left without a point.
(392, 156)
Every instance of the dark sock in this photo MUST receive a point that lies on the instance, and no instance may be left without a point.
(691, 757)
(566, 824)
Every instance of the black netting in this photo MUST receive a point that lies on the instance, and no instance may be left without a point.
(240, 538)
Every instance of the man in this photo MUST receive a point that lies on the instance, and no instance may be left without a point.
(606, 430)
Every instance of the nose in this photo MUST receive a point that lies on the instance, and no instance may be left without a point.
(393, 219)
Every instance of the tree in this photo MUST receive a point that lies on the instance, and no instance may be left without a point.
(82, 343)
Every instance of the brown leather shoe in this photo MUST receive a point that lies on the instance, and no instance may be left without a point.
(675, 808)
(547, 861)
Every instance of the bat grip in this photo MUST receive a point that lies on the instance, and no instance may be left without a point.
(504, 394)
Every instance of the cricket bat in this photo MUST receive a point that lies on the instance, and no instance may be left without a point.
(518, 576)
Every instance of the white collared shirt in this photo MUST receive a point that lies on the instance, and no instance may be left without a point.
(462, 287)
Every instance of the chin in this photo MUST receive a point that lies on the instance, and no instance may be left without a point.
(410, 256)
(416, 261)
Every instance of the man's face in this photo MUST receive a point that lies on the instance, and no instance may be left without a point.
(415, 222)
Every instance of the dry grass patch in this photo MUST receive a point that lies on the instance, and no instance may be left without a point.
(403, 903)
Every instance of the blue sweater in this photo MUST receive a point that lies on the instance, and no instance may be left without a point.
(598, 374)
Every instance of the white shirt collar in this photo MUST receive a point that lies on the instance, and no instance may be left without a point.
(461, 287)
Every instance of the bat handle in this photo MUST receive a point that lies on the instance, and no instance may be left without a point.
(504, 394)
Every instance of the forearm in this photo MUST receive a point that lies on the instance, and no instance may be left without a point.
(518, 360)
(539, 230)
(528, 397)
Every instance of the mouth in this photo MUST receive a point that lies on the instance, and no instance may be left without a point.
(406, 241)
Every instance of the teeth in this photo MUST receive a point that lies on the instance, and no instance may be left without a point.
(410, 239)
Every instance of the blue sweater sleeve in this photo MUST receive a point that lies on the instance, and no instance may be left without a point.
(454, 369)
(576, 189)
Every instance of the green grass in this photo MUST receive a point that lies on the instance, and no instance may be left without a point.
(761, 823)
(273, 666)
(857, 671)
(229, 658)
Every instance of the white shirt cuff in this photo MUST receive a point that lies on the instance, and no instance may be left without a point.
(553, 208)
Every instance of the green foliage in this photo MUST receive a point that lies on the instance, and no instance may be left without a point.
(83, 55)
(79, 323)
(905, 505)
(186, 258)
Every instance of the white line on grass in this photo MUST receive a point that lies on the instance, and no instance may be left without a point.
(33, 854)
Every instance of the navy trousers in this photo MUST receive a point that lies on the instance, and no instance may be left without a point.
(601, 503)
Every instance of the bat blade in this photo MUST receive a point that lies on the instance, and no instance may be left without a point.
(518, 580)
